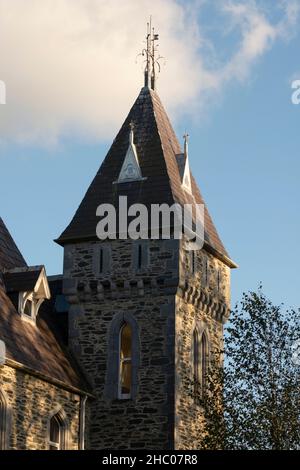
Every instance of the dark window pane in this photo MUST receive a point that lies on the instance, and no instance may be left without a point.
(125, 360)
(126, 342)
(54, 430)
(126, 378)
(101, 261)
(27, 308)
(203, 359)
(196, 355)
(140, 257)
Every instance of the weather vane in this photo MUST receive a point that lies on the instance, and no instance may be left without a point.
(152, 56)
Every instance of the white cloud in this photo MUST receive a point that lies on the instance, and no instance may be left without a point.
(257, 36)
(69, 66)
(286, 26)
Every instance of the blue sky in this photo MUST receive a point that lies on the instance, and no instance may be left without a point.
(244, 138)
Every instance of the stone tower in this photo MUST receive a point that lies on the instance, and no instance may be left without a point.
(144, 314)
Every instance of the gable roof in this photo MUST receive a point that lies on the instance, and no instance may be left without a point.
(10, 255)
(157, 149)
(42, 347)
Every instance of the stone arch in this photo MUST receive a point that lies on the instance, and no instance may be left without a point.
(200, 333)
(5, 421)
(112, 369)
(202, 328)
(59, 413)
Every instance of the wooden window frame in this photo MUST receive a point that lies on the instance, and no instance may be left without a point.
(62, 421)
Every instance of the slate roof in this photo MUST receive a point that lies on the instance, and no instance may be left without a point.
(158, 149)
(41, 347)
(38, 347)
(10, 256)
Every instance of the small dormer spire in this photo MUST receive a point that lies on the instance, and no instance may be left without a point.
(131, 133)
(186, 144)
(152, 57)
(130, 170)
(186, 180)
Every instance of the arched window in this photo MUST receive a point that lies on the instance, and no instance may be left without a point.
(193, 262)
(4, 421)
(196, 358)
(203, 361)
(57, 432)
(200, 359)
(123, 357)
(125, 361)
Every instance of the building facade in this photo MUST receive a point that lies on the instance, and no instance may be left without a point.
(42, 390)
(101, 356)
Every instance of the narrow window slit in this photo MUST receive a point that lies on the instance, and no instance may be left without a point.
(101, 261)
(125, 360)
(140, 256)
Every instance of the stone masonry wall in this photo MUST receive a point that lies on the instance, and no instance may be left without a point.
(148, 294)
(203, 300)
(31, 402)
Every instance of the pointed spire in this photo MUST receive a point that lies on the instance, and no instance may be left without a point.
(156, 165)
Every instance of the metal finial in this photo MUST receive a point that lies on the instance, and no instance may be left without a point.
(152, 57)
(147, 51)
(155, 37)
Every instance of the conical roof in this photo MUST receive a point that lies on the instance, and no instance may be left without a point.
(158, 150)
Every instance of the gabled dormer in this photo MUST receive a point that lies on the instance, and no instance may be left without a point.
(28, 288)
(130, 170)
(184, 167)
